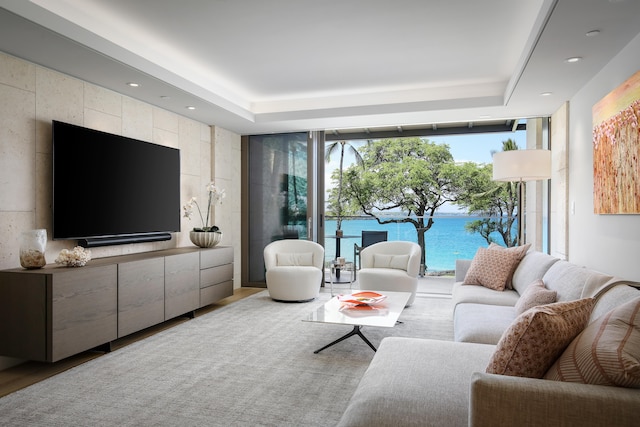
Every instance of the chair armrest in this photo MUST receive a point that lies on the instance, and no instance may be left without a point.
(462, 266)
(500, 400)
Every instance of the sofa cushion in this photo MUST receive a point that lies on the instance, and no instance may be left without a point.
(492, 268)
(537, 337)
(481, 295)
(598, 283)
(520, 250)
(613, 296)
(607, 352)
(536, 294)
(569, 279)
(532, 267)
(481, 323)
(416, 382)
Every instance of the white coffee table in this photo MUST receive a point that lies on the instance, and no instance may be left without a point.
(384, 315)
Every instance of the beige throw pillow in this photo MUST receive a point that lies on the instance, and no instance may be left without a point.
(491, 268)
(537, 337)
(607, 352)
(294, 259)
(390, 261)
(520, 250)
(534, 295)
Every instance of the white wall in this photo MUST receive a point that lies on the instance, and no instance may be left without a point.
(609, 243)
(559, 207)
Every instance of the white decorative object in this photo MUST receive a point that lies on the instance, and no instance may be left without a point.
(33, 244)
(205, 239)
(215, 195)
(77, 257)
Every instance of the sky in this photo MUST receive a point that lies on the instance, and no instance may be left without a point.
(464, 148)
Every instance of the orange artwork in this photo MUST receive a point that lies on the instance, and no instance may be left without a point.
(616, 150)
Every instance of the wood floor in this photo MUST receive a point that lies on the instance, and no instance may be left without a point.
(28, 373)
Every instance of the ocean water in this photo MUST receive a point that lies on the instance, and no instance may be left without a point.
(446, 241)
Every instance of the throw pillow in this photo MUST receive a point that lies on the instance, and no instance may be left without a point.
(294, 259)
(520, 250)
(390, 261)
(607, 352)
(399, 262)
(535, 294)
(491, 268)
(381, 260)
(537, 337)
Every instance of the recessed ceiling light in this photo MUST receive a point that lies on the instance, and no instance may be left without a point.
(546, 93)
(573, 59)
(190, 107)
(133, 84)
(593, 33)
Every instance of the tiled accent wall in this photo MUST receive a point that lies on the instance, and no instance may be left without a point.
(226, 167)
(32, 96)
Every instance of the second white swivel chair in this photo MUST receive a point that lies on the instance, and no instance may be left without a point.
(390, 266)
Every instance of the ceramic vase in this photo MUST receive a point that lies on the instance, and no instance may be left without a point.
(205, 239)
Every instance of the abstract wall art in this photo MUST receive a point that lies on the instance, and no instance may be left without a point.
(616, 150)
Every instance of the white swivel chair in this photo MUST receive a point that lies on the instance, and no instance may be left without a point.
(294, 269)
(390, 266)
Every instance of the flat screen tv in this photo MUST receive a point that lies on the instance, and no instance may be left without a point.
(109, 189)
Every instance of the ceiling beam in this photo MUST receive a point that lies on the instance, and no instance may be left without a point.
(425, 132)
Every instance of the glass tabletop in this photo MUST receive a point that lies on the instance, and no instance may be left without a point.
(384, 314)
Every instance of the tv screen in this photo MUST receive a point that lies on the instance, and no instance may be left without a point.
(108, 187)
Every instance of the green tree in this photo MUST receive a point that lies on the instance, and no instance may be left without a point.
(411, 177)
(497, 201)
(336, 206)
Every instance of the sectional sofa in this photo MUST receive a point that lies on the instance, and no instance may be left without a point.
(493, 374)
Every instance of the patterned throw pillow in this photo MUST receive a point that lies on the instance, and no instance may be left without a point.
(537, 337)
(491, 268)
(520, 250)
(534, 295)
(607, 352)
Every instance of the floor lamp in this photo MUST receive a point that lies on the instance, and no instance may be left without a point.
(520, 166)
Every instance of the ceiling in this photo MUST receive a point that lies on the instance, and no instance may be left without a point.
(256, 66)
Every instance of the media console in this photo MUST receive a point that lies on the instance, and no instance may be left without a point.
(55, 312)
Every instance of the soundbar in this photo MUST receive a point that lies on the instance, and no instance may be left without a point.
(92, 242)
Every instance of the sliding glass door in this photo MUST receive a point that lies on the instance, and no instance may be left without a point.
(280, 188)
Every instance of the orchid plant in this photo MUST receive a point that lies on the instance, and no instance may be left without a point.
(215, 196)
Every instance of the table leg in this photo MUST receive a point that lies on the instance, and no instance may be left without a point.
(331, 277)
(354, 331)
(337, 256)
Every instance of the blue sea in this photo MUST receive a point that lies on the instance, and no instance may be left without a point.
(446, 241)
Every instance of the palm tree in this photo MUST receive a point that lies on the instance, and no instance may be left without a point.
(330, 150)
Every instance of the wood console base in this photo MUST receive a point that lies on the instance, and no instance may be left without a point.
(54, 312)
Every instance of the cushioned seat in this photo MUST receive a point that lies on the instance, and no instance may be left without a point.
(390, 266)
(293, 269)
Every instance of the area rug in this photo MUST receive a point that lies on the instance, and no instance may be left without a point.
(250, 363)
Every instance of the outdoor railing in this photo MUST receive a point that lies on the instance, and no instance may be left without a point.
(446, 241)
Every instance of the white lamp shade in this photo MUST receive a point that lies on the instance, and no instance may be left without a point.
(521, 165)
